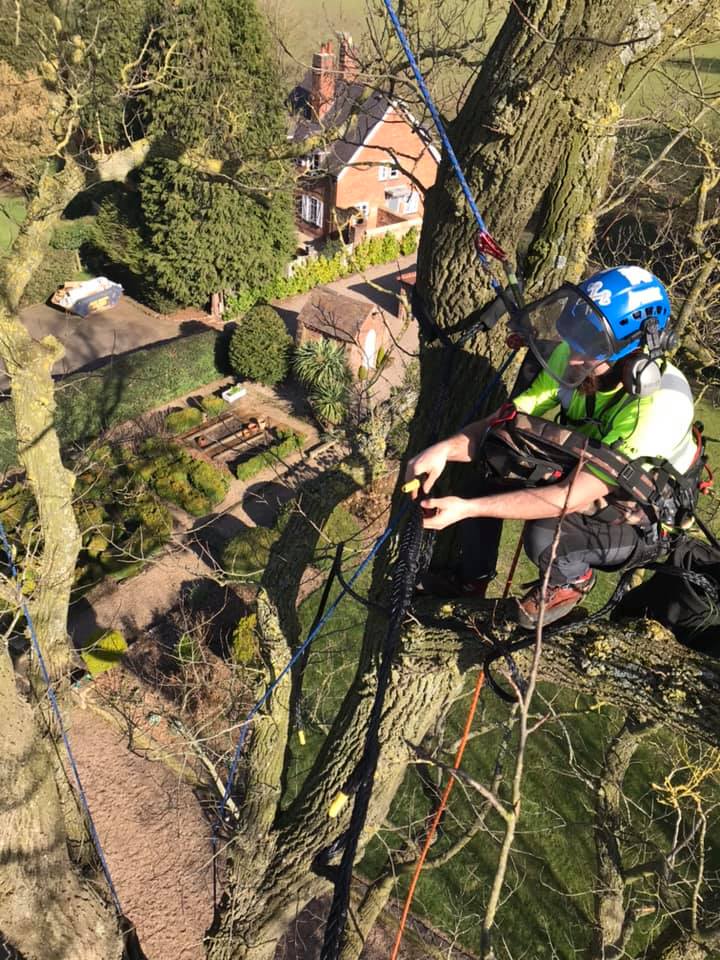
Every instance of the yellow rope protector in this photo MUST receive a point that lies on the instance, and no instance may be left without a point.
(337, 805)
(411, 486)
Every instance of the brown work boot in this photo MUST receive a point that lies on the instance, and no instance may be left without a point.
(559, 601)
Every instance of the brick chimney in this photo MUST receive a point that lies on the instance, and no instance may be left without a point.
(348, 66)
(322, 93)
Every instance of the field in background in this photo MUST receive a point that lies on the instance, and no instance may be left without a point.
(12, 214)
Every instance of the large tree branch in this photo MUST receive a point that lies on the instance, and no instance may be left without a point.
(637, 666)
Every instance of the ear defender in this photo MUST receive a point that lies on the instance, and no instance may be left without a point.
(642, 373)
(641, 376)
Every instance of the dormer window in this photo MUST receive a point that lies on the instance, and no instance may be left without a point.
(314, 161)
(387, 171)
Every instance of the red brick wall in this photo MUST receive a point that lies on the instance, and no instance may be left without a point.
(353, 351)
(360, 182)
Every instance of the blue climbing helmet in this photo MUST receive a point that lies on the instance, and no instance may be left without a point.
(611, 314)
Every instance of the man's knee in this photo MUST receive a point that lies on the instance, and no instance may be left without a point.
(538, 537)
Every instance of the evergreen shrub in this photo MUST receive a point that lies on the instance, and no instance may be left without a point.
(181, 420)
(260, 346)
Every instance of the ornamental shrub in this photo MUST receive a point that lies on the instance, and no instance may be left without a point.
(244, 641)
(104, 652)
(181, 420)
(260, 346)
(289, 443)
(72, 234)
(213, 406)
(246, 555)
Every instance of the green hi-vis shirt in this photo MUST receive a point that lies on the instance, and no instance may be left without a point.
(659, 425)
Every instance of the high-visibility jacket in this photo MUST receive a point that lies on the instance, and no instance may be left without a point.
(656, 426)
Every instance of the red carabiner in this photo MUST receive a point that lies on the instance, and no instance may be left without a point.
(487, 246)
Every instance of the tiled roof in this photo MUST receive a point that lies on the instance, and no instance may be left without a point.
(335, 315)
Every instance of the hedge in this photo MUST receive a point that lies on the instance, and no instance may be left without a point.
(289, 443)
(89, 403)
(321, 270)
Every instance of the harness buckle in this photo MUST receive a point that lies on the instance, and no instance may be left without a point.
(627, 473)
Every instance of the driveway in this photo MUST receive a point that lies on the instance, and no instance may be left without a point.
(379, 286)
(90, 341)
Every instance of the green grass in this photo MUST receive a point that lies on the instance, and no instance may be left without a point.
(547, 905)
(127, 387)
(668, 86)
(12, 214)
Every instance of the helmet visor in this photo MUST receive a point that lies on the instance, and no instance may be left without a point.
(568, 320)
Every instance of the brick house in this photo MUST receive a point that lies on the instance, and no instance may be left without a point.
(356, 323)
(369, 180)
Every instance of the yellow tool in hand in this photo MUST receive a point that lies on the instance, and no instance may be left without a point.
(411, 486)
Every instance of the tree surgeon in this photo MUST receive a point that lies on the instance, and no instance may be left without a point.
(601, 348)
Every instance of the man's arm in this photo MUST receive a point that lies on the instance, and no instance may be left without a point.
(462, 447)
(574, 494)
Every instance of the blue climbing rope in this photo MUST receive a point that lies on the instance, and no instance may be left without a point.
(377, 546)
(58, 716)
(485, 235)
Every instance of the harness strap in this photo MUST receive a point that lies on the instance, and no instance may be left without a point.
(539, 434)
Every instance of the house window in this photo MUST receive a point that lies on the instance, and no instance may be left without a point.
(363, 208)
(311, 210)
(314, 161)
(412, 202)
(388, 172)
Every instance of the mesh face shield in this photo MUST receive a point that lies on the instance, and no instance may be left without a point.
(566, 318)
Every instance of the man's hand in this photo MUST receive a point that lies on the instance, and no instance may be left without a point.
(444, 511)
(430, 464)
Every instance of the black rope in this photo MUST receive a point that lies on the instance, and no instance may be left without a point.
(404, 577)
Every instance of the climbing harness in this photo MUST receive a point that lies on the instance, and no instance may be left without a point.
(521, 446)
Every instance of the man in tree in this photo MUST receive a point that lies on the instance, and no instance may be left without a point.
(601, 347)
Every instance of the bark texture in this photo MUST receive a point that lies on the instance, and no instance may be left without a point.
(46, 912)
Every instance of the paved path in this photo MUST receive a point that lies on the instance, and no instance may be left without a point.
(91, 341)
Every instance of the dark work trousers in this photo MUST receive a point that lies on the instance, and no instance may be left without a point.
(583, 543)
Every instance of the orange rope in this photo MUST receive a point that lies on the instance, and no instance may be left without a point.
(438, 814)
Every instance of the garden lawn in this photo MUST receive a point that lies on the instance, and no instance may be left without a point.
(546, 909)
(12, 214)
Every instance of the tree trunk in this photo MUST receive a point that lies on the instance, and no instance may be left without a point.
(46, 913)
(547, 80)
(29, 363)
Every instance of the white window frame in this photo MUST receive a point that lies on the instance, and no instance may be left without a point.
(412, 202)
(363, 207)
(394, 172)
(312, 209)
(315, 159)
(388, 171)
